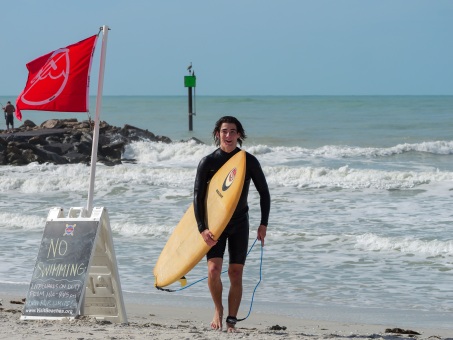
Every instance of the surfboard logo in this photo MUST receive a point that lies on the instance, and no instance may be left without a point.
(229, 179)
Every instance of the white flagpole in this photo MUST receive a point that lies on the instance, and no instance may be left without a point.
(94, 150)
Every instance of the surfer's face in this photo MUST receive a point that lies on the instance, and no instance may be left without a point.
(228, 137)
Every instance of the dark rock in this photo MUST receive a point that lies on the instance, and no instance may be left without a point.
(135, 133)
(29, 156)
(86, 138)
(50, 157)
(163, 139)
(75, 157)
(63, 141)
(113, 150)
(73, 137)
(12, 148)
(108, 161)
(37, 140)
(14, 155)
(58, 148)
(85, 125)
(129, 160)
(57, 137)
(52, 124)
(24, 146)
(83, 148)
(196, 140)
(29, 123)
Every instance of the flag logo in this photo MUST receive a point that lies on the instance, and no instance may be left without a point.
(69, 230)
(53, 75)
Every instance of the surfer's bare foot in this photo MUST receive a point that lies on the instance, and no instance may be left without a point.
(231, 323)
(232, 329)
(216, 323)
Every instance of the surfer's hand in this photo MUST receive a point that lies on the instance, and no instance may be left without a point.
(208, 238)
(261, 234)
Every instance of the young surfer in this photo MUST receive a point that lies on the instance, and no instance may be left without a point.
(228, 133)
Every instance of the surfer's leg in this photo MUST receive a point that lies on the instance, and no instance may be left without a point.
(235, 295)
(216, 287)
(237, 248)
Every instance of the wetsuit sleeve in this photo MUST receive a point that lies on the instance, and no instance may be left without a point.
(261, 186)
(199, 196)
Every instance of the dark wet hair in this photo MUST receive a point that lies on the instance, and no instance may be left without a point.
(231, 120)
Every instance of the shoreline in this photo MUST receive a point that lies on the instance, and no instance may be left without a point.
(164, 322)
(388, 317)
(167, 316)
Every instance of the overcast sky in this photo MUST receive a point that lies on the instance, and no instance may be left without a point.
(242, 47)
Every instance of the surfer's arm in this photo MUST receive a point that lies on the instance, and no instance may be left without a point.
(261, 233)
(199, 194)
(261, 186)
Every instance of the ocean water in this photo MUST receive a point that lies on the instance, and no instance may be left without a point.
(360, 226)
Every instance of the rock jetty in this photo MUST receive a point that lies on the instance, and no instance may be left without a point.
(67, 141)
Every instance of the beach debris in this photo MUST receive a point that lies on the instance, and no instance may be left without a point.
(15, 302)
(103, 322)
(278, 328)
(401, 331)
(14, 311)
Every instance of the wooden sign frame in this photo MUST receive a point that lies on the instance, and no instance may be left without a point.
(76, 272)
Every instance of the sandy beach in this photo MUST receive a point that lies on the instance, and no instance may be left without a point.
(169, 322)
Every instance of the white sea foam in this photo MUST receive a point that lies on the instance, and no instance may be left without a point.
(408, 245)
(141, 230)
(346, 177)
(437, 147)
(189, 153)
(186, 154)
(279, 154)
(174, 167)
(19, 220)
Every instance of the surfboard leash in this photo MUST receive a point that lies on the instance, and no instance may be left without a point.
(254, 290)
(232, 320)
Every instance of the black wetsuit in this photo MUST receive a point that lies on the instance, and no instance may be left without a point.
(237, 230)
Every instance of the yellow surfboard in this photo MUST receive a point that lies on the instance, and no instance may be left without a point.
(185, 247)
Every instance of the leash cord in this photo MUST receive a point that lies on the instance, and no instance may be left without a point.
(253, 295)
(204, 278)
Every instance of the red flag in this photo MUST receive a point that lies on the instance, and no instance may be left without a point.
(59, 80)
